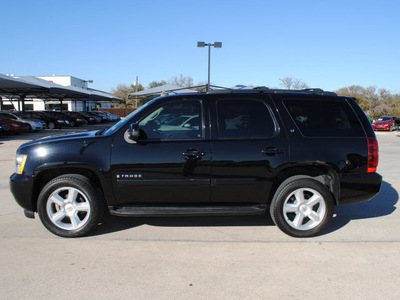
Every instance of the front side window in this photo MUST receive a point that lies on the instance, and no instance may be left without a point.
(326, 118)
(244, 119)
(174, 121)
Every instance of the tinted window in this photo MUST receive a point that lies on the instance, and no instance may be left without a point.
(324, 118)
(176, 120)
(244, 119)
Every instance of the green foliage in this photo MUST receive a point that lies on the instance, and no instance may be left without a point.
(154, 83)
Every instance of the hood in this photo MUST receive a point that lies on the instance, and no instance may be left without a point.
(63, 137)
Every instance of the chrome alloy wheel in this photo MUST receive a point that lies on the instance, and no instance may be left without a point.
(68, 208)
(304, 209)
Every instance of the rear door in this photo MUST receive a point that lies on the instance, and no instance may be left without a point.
(249, 147)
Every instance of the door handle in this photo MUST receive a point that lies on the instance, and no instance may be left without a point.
(270, 151)
(193, 154)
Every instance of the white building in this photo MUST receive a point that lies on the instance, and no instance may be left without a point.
(40, 104)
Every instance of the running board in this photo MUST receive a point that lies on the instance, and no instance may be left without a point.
(167, 211)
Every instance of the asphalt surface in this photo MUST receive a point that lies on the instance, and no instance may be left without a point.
(205, 258)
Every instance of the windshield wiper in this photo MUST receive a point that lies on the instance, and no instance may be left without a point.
(101, 131)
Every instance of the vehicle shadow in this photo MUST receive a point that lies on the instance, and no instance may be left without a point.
(381, 205)
(114, 224)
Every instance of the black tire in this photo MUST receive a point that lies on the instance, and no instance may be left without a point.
(302, 207)
(30, 128)
(70, 206)
(51, 125)
(71, 124)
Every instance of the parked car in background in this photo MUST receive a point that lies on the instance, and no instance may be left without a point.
(4, 128)
(97, 118)
(103, 117)
(34, 124)
(51, 122)
(14, 125)
(59, 115)
(88, 118)
(113, 118)
(109, 116)
(385, 123)
(79, 120)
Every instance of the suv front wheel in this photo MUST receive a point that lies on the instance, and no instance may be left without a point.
(302, 207)
(69, 206)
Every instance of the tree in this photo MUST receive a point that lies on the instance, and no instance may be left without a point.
(291, 83)
(180, 80)
(155, 83)
(375, 102)
(122, 91)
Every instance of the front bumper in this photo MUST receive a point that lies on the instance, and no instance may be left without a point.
(356, 188)
(21, 187)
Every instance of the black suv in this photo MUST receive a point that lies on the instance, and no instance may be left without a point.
(296, 153)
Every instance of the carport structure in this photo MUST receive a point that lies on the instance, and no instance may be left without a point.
(31, 87)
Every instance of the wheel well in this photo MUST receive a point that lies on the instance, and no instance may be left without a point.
(44, 177)
(327, 177)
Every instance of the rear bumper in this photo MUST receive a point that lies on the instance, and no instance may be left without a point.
(21, 187)
(356, 188)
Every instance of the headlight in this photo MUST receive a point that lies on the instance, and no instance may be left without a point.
(20, 163)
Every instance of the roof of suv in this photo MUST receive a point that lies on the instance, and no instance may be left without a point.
(265, 90)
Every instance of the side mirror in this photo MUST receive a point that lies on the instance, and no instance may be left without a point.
(134, 131)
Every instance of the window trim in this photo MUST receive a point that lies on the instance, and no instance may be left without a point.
(272, 115)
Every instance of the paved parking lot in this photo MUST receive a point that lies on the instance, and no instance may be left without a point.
(205, 258)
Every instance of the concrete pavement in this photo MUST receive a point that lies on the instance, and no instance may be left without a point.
(206, 258)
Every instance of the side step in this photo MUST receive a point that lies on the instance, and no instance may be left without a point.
(167, 211)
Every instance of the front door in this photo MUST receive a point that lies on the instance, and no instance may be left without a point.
(170, 163)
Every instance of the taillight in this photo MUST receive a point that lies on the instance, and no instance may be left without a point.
(373, 155)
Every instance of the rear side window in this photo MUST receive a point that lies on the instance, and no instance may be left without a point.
(324, 118)
(244, 119)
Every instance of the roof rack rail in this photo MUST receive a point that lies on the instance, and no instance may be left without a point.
(319, 91)
(261, 89)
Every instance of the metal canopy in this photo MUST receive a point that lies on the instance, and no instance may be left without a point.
(10, 86)
(32, 87)
(166, 88)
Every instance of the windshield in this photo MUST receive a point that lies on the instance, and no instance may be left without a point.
(125, 120)
(384, 119)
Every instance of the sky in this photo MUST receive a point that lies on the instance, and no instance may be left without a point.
(327, 44)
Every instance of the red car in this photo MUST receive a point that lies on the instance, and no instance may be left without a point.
(15, 126)
(385, 123)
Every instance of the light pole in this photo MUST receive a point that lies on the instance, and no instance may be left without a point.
(202, 45)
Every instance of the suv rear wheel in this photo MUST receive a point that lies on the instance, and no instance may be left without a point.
(302, 207)
(69, 206)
